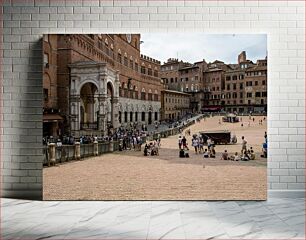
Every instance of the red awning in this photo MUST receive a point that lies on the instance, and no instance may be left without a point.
(52, 118)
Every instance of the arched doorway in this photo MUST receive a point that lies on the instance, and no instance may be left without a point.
(89, 106)
(95, 87)
(150, 118)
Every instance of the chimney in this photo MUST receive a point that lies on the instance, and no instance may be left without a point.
(242, 57)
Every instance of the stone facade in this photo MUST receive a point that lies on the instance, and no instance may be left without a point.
(174, 104)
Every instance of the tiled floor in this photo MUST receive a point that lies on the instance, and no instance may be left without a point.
(273, 219)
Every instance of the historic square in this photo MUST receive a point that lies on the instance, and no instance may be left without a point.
(121, 125)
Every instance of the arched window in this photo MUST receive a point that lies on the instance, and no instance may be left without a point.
(143, 68)
(136, 65)
(143, 94)
(119, 56)
(149, 70)
(125, 59)
(131, 62)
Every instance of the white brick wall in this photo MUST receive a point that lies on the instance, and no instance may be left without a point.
(26, 20)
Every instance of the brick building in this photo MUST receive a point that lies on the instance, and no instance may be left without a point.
(52, 120)
(170, 73)
(216, 86)
(174, 104)
(104, 82)
(246, 86)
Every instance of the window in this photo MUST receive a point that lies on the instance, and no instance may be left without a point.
(171, 80)
(176, 79)
(155, 73)
(119, 58)
(228, 78)
(228, 87)
(131, 63)
(263, 82)
(262, 101)
(143, 70)
(241, 76)
(155, 97)
(156, 116)
(235, 77)
(150, 96)
(241, 85)
(46, 60)
(46, 94)
(241, 95)
(234, 86)
(234, 95)
(125, 61)
(143, 116)
(136, 94)
(249, 95)
(257, 94)
(264, 94)
(256, 83)
(150, 71)
(136, 67)
(136, 116)
(143, 96)
(120, 117)
(187, 79)
(125, 116)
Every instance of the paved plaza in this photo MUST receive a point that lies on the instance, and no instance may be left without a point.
(129, 175)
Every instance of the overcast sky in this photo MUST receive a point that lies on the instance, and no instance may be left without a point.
(193, 47)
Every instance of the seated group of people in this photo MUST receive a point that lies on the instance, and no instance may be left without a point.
(151, 149)
(184, 152)
(245, 156)
(210, 153)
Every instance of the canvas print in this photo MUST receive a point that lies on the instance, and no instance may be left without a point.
(155, 116)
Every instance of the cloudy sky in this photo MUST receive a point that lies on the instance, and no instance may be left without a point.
(193, 47)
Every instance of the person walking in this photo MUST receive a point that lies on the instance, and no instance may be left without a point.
(195, 144)
(180, 142)
(244, 145)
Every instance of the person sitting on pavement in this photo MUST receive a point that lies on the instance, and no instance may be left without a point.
(186, 152)
(206, 154)
(224, 155)
(245, 156)
(212, 152)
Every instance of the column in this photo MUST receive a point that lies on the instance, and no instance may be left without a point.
(75, 113)
(115, 112)
(102, 114)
